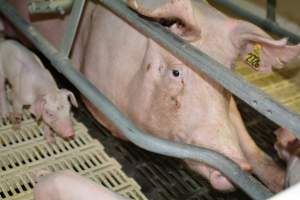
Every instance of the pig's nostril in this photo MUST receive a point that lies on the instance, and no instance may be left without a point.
(219, 182)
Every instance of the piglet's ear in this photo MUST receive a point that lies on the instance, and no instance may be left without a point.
(177, 15)
(71, 96)
(259, 50)
(37, 107)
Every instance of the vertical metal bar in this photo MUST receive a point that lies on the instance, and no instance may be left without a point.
(271, 10)
(73, 23)
(240, 178)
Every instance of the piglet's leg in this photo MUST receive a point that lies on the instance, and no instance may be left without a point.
(16, 115)
(263, 166)
(4, 109)
(48, 133)
(67, 185)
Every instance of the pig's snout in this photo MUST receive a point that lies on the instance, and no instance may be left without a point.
(219, 182)
(68, 133)
(66, 130)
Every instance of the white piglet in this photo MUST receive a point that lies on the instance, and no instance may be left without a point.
(67, 185)
(33, 86)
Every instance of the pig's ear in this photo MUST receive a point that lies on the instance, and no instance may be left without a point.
(177, 16)
(259, 50)
(37, 107)
(71, 96)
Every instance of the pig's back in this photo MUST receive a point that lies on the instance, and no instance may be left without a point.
(17, 60)
(24, 71)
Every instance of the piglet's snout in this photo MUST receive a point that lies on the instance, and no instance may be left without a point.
(66, 130)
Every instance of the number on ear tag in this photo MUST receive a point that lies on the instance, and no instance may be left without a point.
(253, 58)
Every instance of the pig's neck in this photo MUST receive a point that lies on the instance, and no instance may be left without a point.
(46, 88)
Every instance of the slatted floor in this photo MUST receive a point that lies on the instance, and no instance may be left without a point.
(24, 152)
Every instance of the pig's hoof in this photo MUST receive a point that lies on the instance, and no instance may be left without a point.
(16, 120)
(51, 140)
(16, 127)
(40, 173)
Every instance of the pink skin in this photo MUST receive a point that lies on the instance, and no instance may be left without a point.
(67, 185)
(32, 85)
(288, 149)
(165, 97)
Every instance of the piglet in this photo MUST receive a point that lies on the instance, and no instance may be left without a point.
(288, 149)
(33, 86)
(67, 185)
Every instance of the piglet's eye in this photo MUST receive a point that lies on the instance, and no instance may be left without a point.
(175, 73)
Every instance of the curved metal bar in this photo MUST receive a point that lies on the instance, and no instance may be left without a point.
(266, 24)
(242, 179)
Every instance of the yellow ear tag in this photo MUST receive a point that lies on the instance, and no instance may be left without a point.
(253, 58)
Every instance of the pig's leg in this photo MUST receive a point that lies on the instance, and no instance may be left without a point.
(263, 166)
(16, 115)
(66, 185)
(48, 133)
(3, 100)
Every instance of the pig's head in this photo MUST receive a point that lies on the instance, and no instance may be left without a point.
(172, 101)
(54, 110)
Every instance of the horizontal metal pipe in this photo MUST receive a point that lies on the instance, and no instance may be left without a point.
(52, 6)
(266, 24)
(242, 179)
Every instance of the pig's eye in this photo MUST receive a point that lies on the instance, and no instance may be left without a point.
(51, 115)
(175, 73)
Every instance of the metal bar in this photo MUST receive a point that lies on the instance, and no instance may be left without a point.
(161, 146)
(271, 10)
(52, 6)
(263, 23)
(73, 23)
